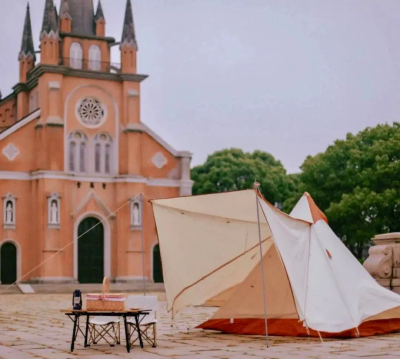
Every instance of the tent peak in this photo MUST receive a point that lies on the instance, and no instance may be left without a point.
(307, 210)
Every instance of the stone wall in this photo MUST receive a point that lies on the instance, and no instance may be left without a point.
(383, 262)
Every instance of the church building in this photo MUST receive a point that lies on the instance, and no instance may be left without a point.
(74, 155)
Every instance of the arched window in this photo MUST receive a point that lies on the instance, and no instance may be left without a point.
(75, 54)
(103, 153)
(94, 58)
(77, 152)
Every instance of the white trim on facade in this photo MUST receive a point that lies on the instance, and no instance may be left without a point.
(107, 242)
(52, 280)
(130, 278)
(11, 151)
(86, 200)
(30, 176)
(19, 124)
(19, 255)
(144, 128)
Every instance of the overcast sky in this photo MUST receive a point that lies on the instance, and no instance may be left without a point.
(286, 77)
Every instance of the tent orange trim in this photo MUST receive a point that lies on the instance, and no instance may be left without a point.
(292, 327)
(316, 213)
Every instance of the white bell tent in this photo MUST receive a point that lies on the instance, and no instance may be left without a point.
(313, 285)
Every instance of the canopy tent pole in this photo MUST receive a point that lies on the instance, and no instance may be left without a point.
(141, 232)
(256, 190)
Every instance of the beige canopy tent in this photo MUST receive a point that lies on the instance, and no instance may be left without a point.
(313, 285)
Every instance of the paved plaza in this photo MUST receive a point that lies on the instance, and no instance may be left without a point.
(32, 326)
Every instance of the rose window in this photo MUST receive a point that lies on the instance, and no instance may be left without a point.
(91, 112)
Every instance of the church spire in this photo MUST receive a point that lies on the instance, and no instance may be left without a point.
(100, 21)
(49, 25)
(27, 48)
(128, 32)
(99, 13)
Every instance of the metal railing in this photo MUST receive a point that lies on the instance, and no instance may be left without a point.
(90, 65)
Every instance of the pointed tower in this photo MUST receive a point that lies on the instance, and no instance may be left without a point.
(27, 54)
(100, 21)
(49, 35)
(65, 17)
(128, 45)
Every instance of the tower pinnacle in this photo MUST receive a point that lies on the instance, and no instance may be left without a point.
(27, 48)
(128, 32)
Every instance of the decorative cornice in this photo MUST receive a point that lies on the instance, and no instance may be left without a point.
(87, 37)
(67, 71)
(133, 93)
(100, 203)
(54, 121)
(38, 175)
(129, 44)
(52, 34)
(25, 56)
(142, 128)
(134, 127)
(54, 85)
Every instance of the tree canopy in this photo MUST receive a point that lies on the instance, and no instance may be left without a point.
(233, 169)
(356, 182)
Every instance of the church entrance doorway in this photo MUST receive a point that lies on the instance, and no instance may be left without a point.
(8, 260)
(90, 251)
(157, 265)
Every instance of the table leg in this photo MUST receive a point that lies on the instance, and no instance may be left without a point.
(128, 344)
(86, 330)
(138, 330)
(74, 333)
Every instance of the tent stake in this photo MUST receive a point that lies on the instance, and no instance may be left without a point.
(256, 189)
(141, 232)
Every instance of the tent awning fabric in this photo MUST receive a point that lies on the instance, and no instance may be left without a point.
(210, 251)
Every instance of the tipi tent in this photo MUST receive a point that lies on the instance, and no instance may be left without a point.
(209, 245)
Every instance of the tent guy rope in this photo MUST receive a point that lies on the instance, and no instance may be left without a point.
(66, 246)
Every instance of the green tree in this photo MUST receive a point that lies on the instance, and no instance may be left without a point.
(233, 169)
(356, 182)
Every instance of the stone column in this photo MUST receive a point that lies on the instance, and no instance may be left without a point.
(186, 182)
(383, 262)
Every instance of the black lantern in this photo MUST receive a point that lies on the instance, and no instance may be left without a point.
(77, 299)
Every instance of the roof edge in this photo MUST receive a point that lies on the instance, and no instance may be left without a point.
(21, 123)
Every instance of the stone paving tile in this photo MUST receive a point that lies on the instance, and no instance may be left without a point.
(33, 326)
(12, 353)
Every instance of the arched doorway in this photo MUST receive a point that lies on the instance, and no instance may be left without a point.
(157, 265)
(8, 260)
(90, 251)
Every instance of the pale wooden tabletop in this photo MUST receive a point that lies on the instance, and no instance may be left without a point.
(104, 311)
